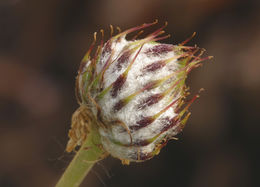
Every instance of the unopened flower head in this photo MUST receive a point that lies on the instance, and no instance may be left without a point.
(134, 91)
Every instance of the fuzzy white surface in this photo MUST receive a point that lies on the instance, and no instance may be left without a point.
(130, 114)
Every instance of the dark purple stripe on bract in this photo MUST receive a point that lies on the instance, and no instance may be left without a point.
(154, 66)
(117, 85)
(159, 49)
(150, 101)
(123, 59)
(119, 105)
(106, 48)
(168, 123)
(142, 123)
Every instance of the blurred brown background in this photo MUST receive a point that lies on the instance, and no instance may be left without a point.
(41, 45)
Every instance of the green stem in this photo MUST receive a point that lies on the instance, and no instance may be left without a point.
(83, 161)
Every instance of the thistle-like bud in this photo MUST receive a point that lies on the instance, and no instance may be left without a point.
(134, 91)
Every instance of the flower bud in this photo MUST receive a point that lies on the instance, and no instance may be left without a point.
(134, 91)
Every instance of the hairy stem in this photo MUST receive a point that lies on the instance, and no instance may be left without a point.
(83, 161)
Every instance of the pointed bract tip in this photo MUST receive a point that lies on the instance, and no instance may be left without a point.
(118, 29)
(111, 30)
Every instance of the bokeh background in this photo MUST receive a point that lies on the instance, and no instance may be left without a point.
(41, 45)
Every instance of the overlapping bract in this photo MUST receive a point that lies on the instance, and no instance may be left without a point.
(135, 92)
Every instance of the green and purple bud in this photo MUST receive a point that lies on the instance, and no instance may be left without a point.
(135, 92)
